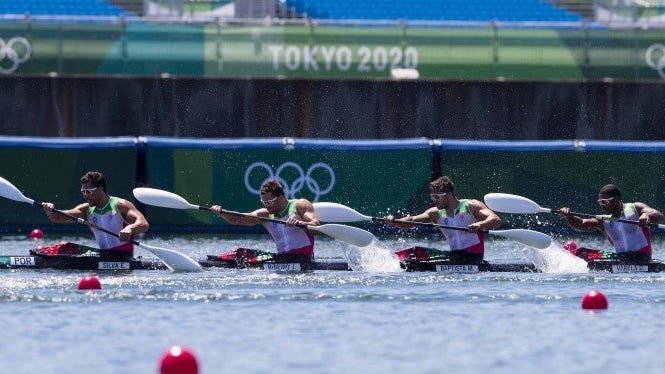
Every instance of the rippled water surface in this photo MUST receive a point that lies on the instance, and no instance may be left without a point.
(377, 319)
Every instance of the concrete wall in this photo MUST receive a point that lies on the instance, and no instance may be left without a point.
(368, 109)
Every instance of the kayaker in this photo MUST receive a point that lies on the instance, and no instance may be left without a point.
(290, 238)
(631, 241)
(109, 212)
(466, 247)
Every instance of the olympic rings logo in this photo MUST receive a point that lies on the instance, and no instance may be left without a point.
(15, 56)
(293, 178)
(655, 58)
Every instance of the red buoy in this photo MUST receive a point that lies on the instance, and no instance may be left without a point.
(594, 300)
(90, 283)
(178, 360)
(570, 245)
(36, 234)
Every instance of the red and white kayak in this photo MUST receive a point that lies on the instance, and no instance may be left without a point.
(241, 258)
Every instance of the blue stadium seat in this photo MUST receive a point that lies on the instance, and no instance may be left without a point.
(443, 10)
(61, 7)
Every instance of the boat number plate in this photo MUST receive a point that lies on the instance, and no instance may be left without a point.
(457, 268)
(27, 261)
(630, 268)
(281, 267)
(113, 265)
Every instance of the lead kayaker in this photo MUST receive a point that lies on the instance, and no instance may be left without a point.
(109, 212)
(466, 247)
(632, 242)
(290, 238)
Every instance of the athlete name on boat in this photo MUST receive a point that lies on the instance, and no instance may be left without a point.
(619, 268)
(281, 267)
(28, 261)
(457, 268)
(112, 265)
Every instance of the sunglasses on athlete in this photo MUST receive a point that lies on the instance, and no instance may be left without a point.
(269, 202)
(605, 201)
(438, 196)
(88, 191)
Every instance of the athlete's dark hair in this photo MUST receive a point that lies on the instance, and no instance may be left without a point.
(610, 190)
(95, 178)
(442, 184)
(272, 186)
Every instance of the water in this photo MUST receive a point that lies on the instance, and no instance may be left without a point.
(376, 320)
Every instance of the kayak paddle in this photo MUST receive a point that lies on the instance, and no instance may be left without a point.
(334, 212)
(507, 203)
(174, 260)
(349, 234)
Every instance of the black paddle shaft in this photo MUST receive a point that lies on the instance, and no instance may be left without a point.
(239, 214)
(587, 215)
(428, 224)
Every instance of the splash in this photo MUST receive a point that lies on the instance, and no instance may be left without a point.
(374, 258)
(555, 259)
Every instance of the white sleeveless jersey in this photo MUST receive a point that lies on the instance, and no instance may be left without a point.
(288, 237)
(457, 239)
(626, 237)
(109, 218)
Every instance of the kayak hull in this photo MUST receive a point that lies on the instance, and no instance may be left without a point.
(94, 263)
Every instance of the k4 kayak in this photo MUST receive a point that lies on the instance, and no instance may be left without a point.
(91, 263)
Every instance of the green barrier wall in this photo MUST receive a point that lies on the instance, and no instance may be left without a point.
(371, 176)
(50, 170)
(578, 51)
(556, 174)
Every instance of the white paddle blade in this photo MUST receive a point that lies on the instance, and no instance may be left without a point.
(8, 191)
(174, 260)
(527, 237)
(347, 234)
(334, 212)
(164, 199)
(507, 203)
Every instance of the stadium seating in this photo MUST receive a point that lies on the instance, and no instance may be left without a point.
(61, 7)
(435, 10)
(443, 10)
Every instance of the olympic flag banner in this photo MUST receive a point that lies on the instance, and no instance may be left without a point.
(375, 176)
